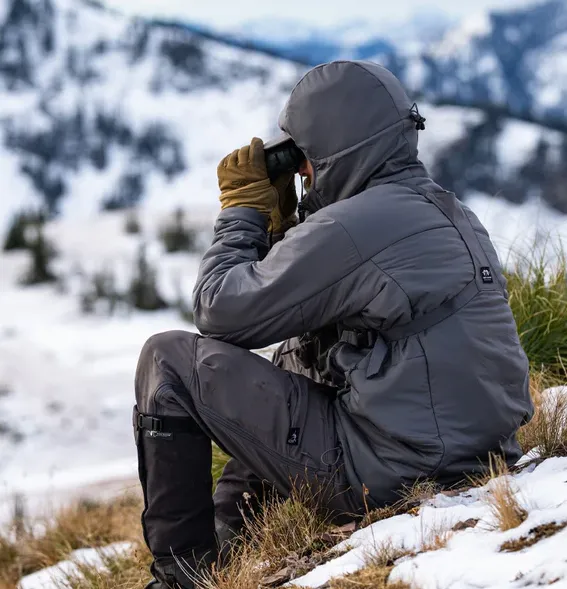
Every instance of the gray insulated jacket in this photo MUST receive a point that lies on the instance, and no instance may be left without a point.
(443, 379)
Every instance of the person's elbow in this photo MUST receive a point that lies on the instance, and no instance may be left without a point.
(215, 318)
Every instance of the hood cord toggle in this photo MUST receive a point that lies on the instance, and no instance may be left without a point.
(417, 118)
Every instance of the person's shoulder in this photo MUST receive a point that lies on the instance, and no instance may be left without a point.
(378, 201)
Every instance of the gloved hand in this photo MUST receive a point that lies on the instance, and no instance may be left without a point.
(283, 215)
(243, 179)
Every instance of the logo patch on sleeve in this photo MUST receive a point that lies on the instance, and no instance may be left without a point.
(486, 275)
(293, 436)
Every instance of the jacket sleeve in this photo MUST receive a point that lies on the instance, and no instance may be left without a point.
(311, 278)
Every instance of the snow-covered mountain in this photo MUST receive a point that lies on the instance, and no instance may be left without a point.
(100, 110)
(513, 59)
(353, 39)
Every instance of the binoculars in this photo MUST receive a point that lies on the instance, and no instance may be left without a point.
(283, 158)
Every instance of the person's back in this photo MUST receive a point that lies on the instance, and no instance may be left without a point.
(433, 401)
(401, 360)
(444, 380)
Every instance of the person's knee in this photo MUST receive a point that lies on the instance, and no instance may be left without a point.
(167, 343)
(166, 357)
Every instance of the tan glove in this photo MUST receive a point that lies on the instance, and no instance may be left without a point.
(283, 215)
(243, 179)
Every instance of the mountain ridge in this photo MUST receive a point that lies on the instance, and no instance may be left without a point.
(490, 60)
(99, 110)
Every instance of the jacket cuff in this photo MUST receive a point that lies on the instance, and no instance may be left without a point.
(244, 214)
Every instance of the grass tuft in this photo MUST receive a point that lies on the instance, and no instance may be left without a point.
(533, 537)
(538, 298)
(411, 498)
(281, 541)
(87, 524)
(376, 571)
(124, 571)
(502, 500)
(435, 536)
(546, 433)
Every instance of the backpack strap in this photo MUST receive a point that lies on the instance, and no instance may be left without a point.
(485, 277)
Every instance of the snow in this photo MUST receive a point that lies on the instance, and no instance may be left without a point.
(514, 134)
(53, 577)
(472, 556)
(68, 378)
(209, 119)
(442, 127)
(517, 229)
(472, 26)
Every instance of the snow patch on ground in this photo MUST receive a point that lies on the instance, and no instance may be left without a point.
(67, 379)
(53, 577)
(472, 557)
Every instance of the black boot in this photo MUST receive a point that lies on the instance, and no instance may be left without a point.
(174, 461)
(180, 573)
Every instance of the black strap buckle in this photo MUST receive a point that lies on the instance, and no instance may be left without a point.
(148, 422)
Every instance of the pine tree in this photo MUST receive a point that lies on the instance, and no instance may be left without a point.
(42, 254)
(177, 236)
(144, 293)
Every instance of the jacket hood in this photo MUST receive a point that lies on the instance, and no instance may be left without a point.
(352, 121)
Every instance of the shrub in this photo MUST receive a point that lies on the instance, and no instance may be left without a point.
(128, 192)
(101, 287)
(42, 254)
(17, 237)
(144, 293)
(132, 224)
(538, 298)
(177, 236)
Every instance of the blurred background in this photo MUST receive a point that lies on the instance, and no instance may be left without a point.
(113, 117)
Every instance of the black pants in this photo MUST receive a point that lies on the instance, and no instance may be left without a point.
(277, 425)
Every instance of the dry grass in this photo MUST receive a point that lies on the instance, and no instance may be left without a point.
(547, 431)
(533, 537)
(84, 525)
(283, 540)
(421, 491)
(124, 571)
(410, 501)
(376, 571)
(502, 500)
(435, 536)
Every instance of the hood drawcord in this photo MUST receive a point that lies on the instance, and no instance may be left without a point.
(301, 209)
(417, 118)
